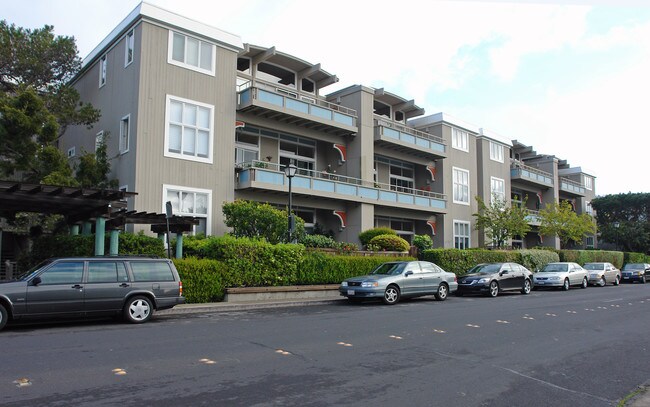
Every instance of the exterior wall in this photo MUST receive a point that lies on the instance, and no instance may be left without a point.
(488, 169)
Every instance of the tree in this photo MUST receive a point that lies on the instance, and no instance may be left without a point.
(92, 170)
(624, 220)
(561, 220)
(255, 219)
(37, 102)
(501, 222)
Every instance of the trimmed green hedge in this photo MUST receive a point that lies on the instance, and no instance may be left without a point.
(320, 268)
(632, 257)
(367, 235)
(588, 256)
(204, 280)
(460, 261)
(390, 243)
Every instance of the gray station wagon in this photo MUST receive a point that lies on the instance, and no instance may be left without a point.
(92, 286)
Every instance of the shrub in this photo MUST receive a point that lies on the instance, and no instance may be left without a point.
(367, 235)
(390, 243)
(631, 257)
(319, 241)
(535, 260)
(260, 220)
(460, 261)
(422, 242)
(320, 268)
(587, 256)
(203, 279)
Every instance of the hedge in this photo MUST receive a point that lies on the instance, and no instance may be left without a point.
(367, 235)
(388, 242)
(204, 280)
(460, 261)
(632, 257)
(588, 256)
(320, 268)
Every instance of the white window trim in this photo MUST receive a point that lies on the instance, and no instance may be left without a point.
(208, 192)
(500, 158)
(504, 188)
(469, 228)
(167, 153)
(469, 189)
(103, 73)
(130, 34)
(170, 50)
(128, 139)
(72, 151)
(97, 136)
(460, 148)
(589, 185)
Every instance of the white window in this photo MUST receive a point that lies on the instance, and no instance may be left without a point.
(191, 53)
(99, 139)
(588, 208)
(190, 202)
(589, 182)
(461, 234)
(589, 242)
(496, 152)
(125, 132)
(103, 65)
(246, 148)
(128, 48)
(461, 186)
(72, 152)
(459, 139)
(189, 130)
(497, 189)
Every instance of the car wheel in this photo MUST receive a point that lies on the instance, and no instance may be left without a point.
(138, 309)
(391, 295)
(494, 289)
(617, 280)
(442, 293)
(603, 282)
(526, 289)
(566, 285)
(3, 316)
(643, 280)
(585, 283)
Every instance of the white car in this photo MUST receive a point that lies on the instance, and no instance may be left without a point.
(561, 274)
(603, 273)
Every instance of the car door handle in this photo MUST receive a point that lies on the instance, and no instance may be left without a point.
(77, 287)
(124, 285)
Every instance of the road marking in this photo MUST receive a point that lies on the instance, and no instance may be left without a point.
(529, 318)
(589, 309)
(207, 361)
(283, 352)
(23, 382)
(472, 326)
(502, 322)
(602, 308)
(119, 372)
(395, 337)
(551, 315)
(438, 331)
(344, 344)
(571, 312)
(614, 300)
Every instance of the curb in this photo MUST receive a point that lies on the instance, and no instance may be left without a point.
(242, 306)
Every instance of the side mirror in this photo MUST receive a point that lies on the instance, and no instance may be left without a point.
(503, 272)
(36, 281)
(408, 273)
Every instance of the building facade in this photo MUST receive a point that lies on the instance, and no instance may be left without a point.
(192, 115)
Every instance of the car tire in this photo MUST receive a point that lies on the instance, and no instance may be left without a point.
(566, 285)
(585, 283)
(527, 287)
(493, 290)
(138, 309)
(442, 293)
(617, 280)
(643, 280)
(603, 282)
(4, 316)
(391, 295)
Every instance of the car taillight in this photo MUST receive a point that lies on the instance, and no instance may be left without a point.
(180, 288)
(455, 278)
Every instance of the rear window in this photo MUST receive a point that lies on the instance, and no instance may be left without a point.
(151, 271)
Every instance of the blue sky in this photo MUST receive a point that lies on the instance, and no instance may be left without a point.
(567, 77)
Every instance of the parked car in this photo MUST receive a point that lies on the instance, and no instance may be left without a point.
(635, 272)
(603, 273)
(93, 286)
(492, 278)
(395, 280)
(561, 274)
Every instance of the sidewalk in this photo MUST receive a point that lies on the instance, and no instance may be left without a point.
(642, 399)
(242, 306)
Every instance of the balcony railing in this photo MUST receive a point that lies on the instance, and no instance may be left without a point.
(298, 102)
(571, 186)
(520, 170)
(343, 186)
(533, 217)
(399, 132)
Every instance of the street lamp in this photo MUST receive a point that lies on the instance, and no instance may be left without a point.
(290, 172)
(616, 226)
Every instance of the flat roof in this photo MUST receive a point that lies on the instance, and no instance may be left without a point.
(442, 117)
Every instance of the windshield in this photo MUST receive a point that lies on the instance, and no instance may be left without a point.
(554, 267)
(26, 275)
(389, 269)
(485, 268)
(594, 266)
(634, 266)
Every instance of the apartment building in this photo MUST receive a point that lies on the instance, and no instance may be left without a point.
(192, 115)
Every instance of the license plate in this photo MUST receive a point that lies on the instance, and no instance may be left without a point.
(539, 282)
(350, 292)
(626, 278)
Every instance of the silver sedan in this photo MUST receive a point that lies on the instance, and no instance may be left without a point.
(394, 280)
(561, 274)
(603, 273)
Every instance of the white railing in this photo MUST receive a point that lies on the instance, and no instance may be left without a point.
(382, 121)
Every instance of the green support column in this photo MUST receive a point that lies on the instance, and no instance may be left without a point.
(161, 236)
(179, 245)
(87, 228)
(74, 230)
(100, 231)
(115, 243)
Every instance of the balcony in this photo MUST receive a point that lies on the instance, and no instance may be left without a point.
(519, 171)
(533, 218)
(270, 177)
(572, 187)
(399, 137)
(289, 106)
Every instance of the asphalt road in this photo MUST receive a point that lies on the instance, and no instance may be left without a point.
(577, 348)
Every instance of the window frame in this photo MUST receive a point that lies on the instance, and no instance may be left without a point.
(454, 184)
(497, 152)
(103, 70)
(72, 151)
(184, 64)
(99, 138)
(467, 239)
(502, 193)
(589, 182)
(464, 141)
(207, 160)
(179, 188)
(126, 119)
(129, 45)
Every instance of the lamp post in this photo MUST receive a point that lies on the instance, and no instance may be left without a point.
(290, 172)
(616, 226)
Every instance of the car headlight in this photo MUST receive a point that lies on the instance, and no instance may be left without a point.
(344, 284)
(368, 284)
(640, 273)
(483, 280)
(554, 278)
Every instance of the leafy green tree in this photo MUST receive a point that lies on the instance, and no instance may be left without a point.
(561, 220)
(499, 221)
(93, 170)
(260, 220)
(624, 220)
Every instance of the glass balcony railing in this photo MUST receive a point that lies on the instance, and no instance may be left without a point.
(519, 170)
(568, 185)
(291, 100)
(533, 217)
(386, 130)
(338, 186)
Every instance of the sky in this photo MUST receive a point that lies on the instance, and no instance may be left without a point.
(570, 78)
